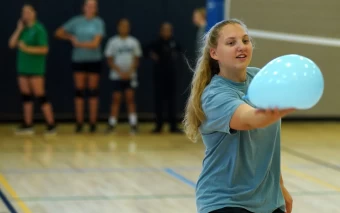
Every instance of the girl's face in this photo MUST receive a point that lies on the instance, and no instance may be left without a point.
(234, 48)
(166, 31)
(90, 8)
(124, 28)
(28, 14)
(196, 18)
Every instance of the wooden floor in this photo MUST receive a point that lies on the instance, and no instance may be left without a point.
(148, 173)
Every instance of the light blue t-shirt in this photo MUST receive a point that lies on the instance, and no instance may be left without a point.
(240, 168)
(85, 30)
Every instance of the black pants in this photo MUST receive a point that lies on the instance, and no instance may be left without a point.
(239, 210)
(165, 97)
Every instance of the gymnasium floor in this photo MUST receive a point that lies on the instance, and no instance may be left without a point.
(148, 173)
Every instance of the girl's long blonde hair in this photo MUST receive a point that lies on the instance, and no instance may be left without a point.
(206, 67)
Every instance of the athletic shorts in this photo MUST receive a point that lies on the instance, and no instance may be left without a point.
(122, 85)
(91, 67)
(31, 75)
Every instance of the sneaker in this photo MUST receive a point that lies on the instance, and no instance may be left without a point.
(79, 128)
(133, 130)
(51, 129)
(110, 129)
(93, 128)
(24, 129)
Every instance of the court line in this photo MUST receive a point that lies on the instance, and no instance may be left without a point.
(76, 170)
(296, 38)
(310, 178)
(7, 203)
(179, 177)
(147, 197)
(285, 168)
(13, 194)
(89, 170)
(311, 159)
(96, 198)
(109, 170)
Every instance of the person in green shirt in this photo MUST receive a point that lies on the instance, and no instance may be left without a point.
(31, 41)
(85, 32)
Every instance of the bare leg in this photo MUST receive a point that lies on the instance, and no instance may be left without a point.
(38, 87)
(25, 91)
(79, 80)
(93, 99)
(131, 108)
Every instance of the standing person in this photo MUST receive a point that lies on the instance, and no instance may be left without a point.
(123, 52)
(85, 32)
(31, 40)
(165, 53)
(200, 21)
(241, 168)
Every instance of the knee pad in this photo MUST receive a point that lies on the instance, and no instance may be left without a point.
(80, 93)
(26, 98)
(93, 93)
(42, 100)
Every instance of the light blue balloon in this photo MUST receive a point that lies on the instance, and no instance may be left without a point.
(289, 81)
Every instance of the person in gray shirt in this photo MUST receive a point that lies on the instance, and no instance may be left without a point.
(123, 52)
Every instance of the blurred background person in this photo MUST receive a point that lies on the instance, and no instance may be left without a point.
(31, 40)
(199, 20)
(165, 53)
(85, 32)
(123, 52)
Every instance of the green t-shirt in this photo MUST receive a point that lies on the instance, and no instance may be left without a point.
(32, 64)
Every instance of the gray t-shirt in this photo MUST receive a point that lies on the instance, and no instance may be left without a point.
(123, 52)
(85, 30)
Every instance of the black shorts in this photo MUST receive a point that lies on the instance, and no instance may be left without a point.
(122, 85)
(31, 75)
(91, 67)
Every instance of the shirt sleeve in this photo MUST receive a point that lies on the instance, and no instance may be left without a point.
(42, 37)
(153, 47)
(101, 28)
(219, 109)
(137, 50)
(109, 49)
(69, 26)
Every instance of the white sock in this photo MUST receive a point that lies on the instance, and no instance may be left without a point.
(112, 121)
(133, 119)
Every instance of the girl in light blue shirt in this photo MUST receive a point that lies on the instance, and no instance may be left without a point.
(241, 168)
